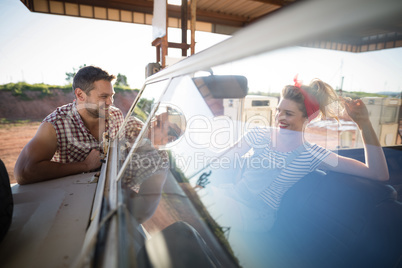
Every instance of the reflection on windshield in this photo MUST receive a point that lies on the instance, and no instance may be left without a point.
(148, 165)
(215, 157)
(149, 157)
(236, 184)
(137, 117)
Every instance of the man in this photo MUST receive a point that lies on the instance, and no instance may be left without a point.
(68, 140)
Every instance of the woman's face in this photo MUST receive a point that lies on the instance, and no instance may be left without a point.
(288, 116)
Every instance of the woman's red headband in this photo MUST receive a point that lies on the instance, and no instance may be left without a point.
(310, 102)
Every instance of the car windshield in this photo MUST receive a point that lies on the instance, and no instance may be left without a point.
(192, 174)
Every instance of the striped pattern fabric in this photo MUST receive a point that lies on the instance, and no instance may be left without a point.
(306, 162)
(74, 141)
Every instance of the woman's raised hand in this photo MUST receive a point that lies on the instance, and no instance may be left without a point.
(357, 110)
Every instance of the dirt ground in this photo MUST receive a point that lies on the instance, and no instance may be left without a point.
(13, 137)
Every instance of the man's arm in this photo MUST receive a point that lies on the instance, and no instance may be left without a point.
(34, 162)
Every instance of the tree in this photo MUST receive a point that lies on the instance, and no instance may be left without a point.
(121, 80)
(70, 76)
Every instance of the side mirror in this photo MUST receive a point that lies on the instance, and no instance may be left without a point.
(167, 125)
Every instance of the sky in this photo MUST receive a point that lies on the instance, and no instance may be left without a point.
(376, 71)
(41, 48)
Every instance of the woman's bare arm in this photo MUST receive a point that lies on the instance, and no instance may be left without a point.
(375, 166)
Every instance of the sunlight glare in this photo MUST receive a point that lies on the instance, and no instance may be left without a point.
(174, 2)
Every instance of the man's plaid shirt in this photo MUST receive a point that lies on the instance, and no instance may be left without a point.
(74, 141)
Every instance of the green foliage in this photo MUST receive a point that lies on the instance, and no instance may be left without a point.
(359, 95)
(119, 88)
(20, 88)
(4, 121)
(67, 88)
(38, 87)
(15, 88)
(121, 80)
(70, 75)
(7, 123)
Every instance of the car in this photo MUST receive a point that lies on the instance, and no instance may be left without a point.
(156, 201)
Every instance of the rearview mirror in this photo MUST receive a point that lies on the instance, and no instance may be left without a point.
(222, 86)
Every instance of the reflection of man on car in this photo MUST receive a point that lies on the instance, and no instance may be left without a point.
(280, 157)
(146, 170)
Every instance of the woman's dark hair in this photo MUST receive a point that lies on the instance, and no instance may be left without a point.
(86, 76)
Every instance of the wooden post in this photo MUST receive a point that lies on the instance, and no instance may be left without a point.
(184, 16)
(165, 45)
(193, 7)
(162, 44)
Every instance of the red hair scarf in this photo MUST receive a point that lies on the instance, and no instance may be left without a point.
(310, 102)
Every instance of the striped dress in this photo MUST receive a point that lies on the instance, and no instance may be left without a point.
(279, 170)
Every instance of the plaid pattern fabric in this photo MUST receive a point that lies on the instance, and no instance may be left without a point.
(144, 163)
(131, 129)
(74, 141)
(128, 134)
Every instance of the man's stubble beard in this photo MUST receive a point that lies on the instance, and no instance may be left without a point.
(98, 112)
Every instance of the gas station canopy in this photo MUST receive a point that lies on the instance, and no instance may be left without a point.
(223, 16)
(216, 16)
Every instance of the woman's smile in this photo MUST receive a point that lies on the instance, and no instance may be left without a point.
(289, 116)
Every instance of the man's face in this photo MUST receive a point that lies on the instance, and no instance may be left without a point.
(99, 99)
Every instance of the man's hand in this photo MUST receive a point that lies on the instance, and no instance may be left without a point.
(35, 163)
(93, 160)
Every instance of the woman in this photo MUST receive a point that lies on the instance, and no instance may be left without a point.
(300, 104)
(280, 157)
